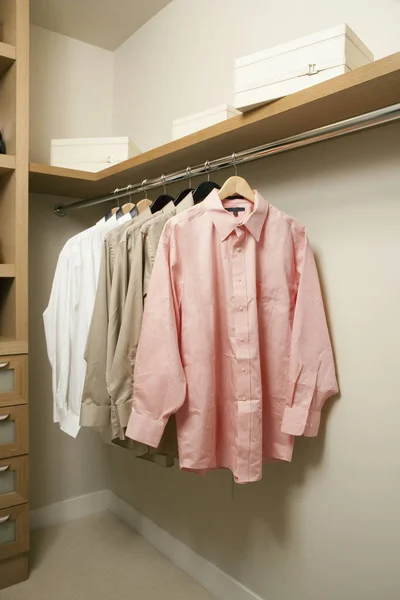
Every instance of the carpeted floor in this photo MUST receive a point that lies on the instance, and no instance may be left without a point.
(100, 558)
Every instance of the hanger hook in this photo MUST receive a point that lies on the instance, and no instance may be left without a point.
(207, 167)
(234, 161)
(128, 189)
(115, 193)
(163, 183)
(189, 174)
(144, 182)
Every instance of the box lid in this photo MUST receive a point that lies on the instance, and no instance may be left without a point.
(91, 141)
(207, 113)
(308, 40)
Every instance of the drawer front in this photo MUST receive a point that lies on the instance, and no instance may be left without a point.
(13, 380)
(13, 481)
(14, 434)
(14, 531)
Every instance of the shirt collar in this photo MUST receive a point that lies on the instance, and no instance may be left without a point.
(225, 222)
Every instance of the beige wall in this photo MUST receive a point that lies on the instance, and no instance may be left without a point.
(71, 91)
(60, 467)
(326, 526)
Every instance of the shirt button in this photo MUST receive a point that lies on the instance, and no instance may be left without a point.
(239, 250)
(242, 339)
(241, 308)
(239, 280)
(244, 370)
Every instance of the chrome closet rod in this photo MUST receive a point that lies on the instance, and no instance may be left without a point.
(359, 123)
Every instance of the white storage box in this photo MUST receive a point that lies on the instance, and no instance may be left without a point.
(291, 67)
(91, 154)
(207, 118)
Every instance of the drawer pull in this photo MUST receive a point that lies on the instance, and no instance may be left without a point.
(2, 469)
(4, 519)
(4, 417)
(4, 365)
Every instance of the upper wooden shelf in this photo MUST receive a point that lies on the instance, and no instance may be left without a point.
(7, 56)
(366, 89)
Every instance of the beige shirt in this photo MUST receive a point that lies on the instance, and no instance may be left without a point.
(114, 333)
(95, 410)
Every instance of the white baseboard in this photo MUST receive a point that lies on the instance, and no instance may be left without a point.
(214, 580)
(69, 510)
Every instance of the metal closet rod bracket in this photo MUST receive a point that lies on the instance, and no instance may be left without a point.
(359, 123)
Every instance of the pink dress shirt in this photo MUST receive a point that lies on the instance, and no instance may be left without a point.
(234, 339)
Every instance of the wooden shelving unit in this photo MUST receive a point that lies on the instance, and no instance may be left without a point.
(14, 124)
(7, 270)
(7, 164)
(7, 56)
(366, 89)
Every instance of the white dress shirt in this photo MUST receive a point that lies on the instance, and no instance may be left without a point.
(67, 319)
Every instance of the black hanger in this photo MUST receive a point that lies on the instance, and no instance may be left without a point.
(161, 201)
(205, 187)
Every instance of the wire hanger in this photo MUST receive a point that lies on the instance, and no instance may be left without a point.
(236, 187)
(162, 201)
(182, 195)
(205, 187)
(115, 209)
(142, 205)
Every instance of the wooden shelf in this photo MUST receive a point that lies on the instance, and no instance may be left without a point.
(7, 270)
(7, 56)
(11, 346)
(7, 164)
(366, 89)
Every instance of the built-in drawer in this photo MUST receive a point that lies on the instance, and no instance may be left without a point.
(14, 434)
(13, 380)
(13, 481)
(14, 531)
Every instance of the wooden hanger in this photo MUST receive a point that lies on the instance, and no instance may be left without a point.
(143, 204)
(125, 208)
(236, 187)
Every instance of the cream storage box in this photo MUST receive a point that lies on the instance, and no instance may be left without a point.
(207, 118)
(288, 68)
(91, 154)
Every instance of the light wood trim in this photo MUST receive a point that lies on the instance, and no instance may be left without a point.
(14, 570)
(19, 364)
(22, 167)
(8, 21)
(7, 163)
(360, 91)
(11, 346)
(7, 56)
(19, 414)
(20, 515)
(21, 494)
(7, 270)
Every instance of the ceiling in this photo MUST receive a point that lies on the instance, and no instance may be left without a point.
(102, 23)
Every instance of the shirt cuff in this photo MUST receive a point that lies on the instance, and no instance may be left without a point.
(294, 420)
(145, 429)
(312, 425)
(298, 420)
(70, 424)
(93, 415)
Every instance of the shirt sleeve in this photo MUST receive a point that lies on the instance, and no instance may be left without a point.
(312, 378)
(159, 388)
(57, 326)
(95, 410)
